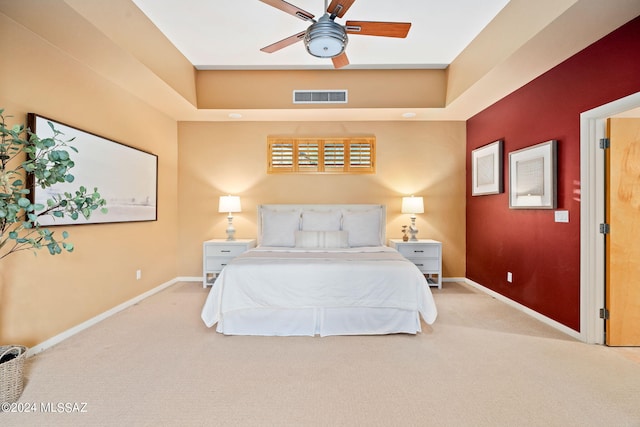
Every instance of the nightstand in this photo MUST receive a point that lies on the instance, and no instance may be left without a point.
(426, 254)
(217, 253)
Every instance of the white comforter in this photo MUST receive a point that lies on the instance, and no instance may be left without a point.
(268, 278)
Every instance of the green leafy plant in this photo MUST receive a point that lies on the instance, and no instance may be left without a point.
(47, 162)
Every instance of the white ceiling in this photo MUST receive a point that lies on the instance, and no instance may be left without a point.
(217, 34)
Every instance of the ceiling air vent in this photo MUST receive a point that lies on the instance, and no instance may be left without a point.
(320, 96)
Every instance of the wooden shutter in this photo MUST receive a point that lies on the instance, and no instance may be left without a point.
(334, 155)
(280, 156)
(361, 156)
(308, 153)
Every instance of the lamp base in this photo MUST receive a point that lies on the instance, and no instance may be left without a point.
(231, 231)
(413, 231)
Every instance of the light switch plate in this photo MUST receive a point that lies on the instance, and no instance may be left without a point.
(562, 216)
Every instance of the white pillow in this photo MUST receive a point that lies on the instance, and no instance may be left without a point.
(279, 227)
(321, 221)
(322, 239)
(363, 227)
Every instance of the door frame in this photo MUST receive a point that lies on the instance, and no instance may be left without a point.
(592, 210)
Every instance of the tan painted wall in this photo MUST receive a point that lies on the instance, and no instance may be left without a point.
(248, 89)
(421, 158)
(44, 295)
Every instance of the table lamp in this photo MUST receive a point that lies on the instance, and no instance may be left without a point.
(230, 204)
(412, 205)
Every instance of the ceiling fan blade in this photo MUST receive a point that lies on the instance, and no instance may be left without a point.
(340, 60)
(284, 43)
(290, 9)
(341, 5)
(384, 29)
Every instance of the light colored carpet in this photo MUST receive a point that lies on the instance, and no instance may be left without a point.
(482, 363)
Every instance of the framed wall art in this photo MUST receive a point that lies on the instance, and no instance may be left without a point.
(533, 177)
(126, 177)
(486, 165)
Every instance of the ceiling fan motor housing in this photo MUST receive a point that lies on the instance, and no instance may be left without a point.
(326, 38)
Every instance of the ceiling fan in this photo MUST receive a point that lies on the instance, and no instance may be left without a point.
(325, 38)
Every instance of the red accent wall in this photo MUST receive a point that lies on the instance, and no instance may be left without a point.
(544, 256)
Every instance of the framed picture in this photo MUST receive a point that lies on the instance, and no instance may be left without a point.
(126, 177)
(532, 177)
(486, 165)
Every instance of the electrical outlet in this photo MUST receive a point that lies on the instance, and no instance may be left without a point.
(509, 277)
(138, 274)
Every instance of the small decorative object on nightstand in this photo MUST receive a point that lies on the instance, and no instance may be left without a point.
(230, 204)
(217, 253)
(426, 254)
(405, 236)
(413, 205)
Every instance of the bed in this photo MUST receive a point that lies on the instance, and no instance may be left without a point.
(320, 270)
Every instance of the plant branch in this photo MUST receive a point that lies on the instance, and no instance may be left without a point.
(47, 162)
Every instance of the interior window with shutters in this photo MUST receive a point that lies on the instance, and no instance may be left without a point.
(321, 155)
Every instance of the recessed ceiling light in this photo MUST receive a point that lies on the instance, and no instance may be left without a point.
(408, 115)
(235, 115)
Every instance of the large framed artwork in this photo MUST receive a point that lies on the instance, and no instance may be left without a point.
(533, 177)
(126, 177)
(486, 169)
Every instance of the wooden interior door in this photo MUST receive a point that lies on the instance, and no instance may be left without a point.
(622, 286)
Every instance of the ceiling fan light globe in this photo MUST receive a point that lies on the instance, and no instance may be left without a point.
(325, 47)
(326, 39)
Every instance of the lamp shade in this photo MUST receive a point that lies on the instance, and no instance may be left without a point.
(412, 205)
(229, 204)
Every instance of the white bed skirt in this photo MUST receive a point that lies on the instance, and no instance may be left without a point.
(320, 321)
(344, 291)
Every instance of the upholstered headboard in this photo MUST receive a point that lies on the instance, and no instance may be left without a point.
(364, 223)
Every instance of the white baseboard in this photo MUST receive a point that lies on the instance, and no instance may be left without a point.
(84, 325)
(544, 319)
(87, 324)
